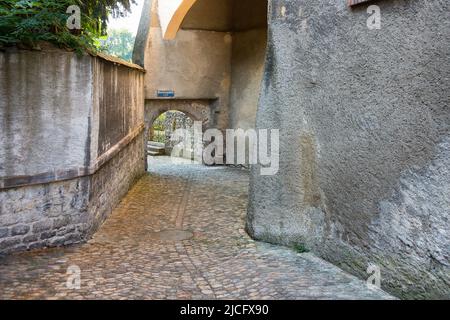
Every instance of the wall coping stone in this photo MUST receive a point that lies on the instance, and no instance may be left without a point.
(48, 47)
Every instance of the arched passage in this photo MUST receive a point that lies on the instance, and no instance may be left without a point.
(196, 110)
(216, 57)
(172, 15)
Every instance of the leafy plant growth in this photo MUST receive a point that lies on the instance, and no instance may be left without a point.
(300, 248)
(27, 22)
(119, 43)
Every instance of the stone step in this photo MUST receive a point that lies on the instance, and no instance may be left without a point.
(154, 153)
(158, 150)
(155, 144)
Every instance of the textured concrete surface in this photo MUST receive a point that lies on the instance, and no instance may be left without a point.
(247, 66)
(118, 106)
(127, 260)
(39, 91)
(195, 65)
(364, 125)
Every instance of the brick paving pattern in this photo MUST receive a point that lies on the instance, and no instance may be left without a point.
(128, 258)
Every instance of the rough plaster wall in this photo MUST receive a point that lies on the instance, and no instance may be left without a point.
(118, 103)
(364, 166)
(247, 65)
(195, 65)
(44, 111)
(198, 110)
(166, 11)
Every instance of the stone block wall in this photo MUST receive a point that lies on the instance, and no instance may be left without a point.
(64, 165)
(112, 182)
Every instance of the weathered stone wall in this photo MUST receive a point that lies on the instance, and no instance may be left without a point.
(365, 145)
(118, 103)
(76, 125)
(67, 212)
(35, 106)
(249, 51)
(112, 182)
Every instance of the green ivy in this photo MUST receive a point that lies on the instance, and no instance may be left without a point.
(27, 22)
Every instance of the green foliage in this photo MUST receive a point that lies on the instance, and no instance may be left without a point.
(159, 130)
(27, 22)
(159, 136)
(300, 248)
(119, 43)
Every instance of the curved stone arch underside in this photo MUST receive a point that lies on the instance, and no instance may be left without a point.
(197, 110)
(171, 16)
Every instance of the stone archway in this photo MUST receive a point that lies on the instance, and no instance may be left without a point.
(172, 129)
(202, 110)
(198, 110)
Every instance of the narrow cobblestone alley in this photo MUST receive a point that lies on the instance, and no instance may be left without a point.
(129, 258)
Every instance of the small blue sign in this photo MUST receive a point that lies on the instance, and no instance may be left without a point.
(165, 93)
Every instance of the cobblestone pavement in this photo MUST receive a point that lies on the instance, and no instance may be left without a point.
(129, 259)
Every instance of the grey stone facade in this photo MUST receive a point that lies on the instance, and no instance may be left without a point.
(365, 143)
